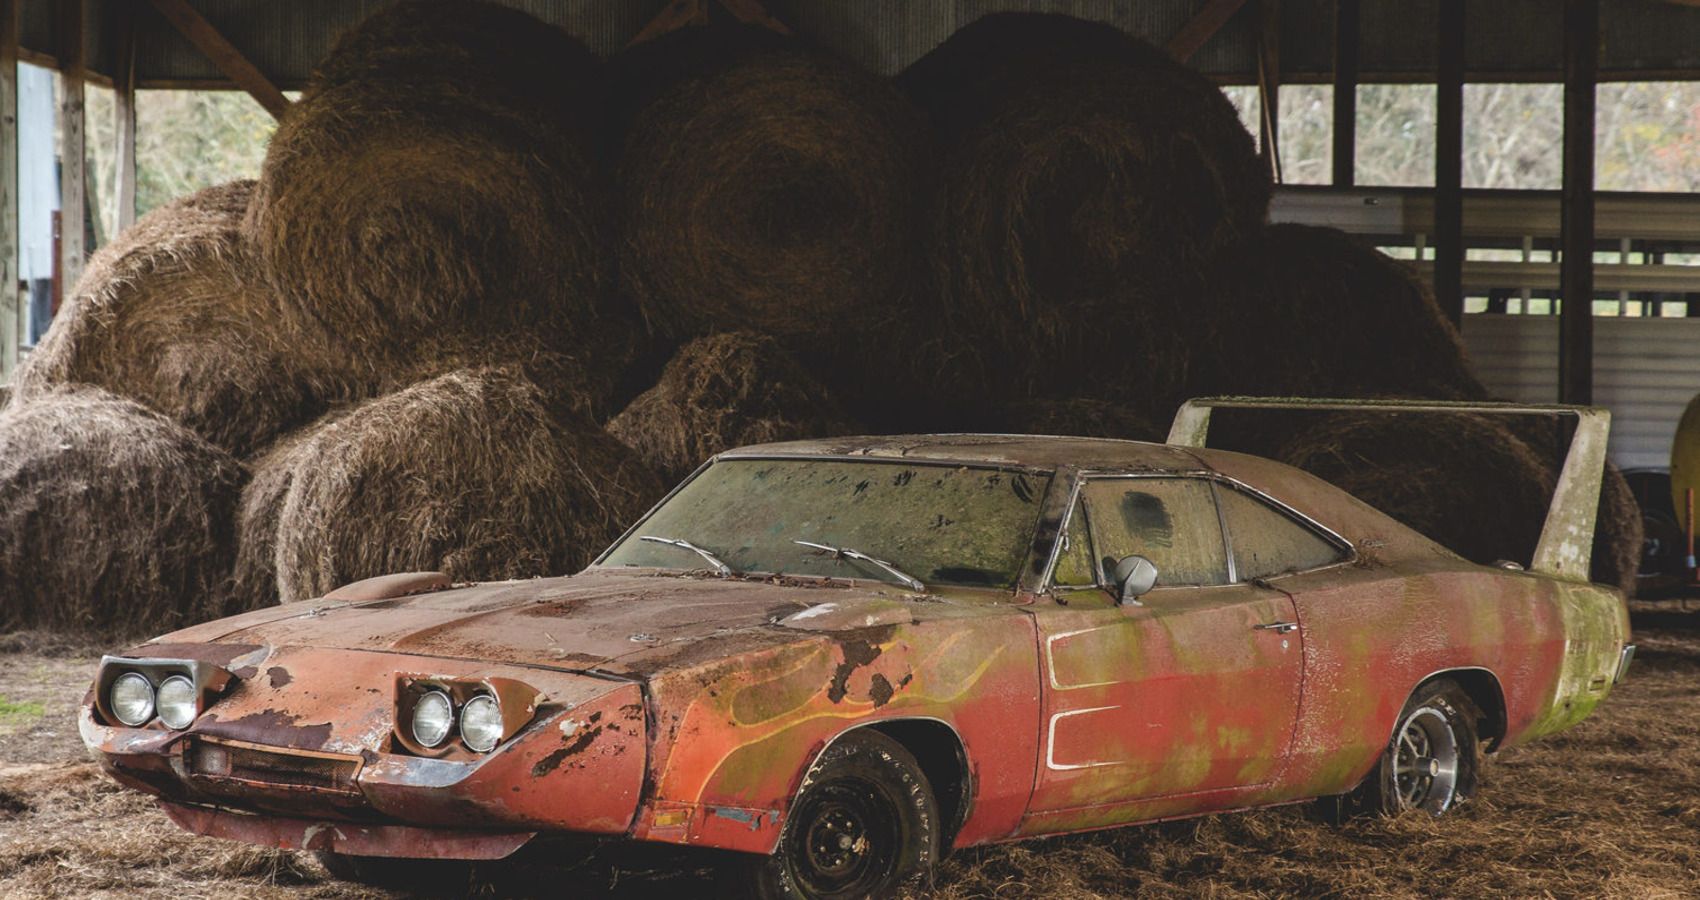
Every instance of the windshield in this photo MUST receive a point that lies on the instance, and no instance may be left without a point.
(945, 525)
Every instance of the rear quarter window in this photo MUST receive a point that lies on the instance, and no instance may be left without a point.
(1268, 542)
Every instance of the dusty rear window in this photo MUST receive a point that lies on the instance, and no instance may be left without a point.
(945, 525)
(1268, 543)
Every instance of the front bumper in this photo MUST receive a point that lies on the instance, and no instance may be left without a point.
(299, 761)
(346, 837)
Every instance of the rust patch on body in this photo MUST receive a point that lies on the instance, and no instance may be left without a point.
(271, 727)
(881, 690)
(554, 760)
(554, 609)
(279, 676)
(856, 655)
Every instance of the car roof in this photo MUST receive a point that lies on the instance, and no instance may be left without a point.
(1340, 512)
(1017, 450)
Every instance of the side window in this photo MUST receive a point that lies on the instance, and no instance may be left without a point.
(1074, 562)
(1170, 521)
(1268, 542)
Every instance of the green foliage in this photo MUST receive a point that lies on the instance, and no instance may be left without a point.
(188, 140)
(27, 710)
(1647, 134)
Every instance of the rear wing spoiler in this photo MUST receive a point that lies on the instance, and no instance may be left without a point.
(1567, 537)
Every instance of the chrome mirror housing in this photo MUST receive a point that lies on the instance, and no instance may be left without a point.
(1135, 577)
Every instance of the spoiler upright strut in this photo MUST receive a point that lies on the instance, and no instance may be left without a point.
(1567, 537)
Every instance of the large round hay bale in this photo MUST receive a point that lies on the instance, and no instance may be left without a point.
(438, 177)
(1078, 416)
(173, 314)
(114, 520)
(764, 186)
(484, 52)
(469, 473)
(1465, 481)
(254, 582)
(1314, 312)
(1619, 533)
(1088, 181)
(721, 392)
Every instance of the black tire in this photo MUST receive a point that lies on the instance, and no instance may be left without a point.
(864, 822)
(1432, 760)
(425, 877)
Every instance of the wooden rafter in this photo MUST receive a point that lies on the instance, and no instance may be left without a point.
(229, 60)
(1202, 27)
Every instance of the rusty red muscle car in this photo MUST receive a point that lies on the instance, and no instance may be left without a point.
(839, 659)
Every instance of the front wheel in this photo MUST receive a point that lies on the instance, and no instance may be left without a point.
(1432, 760)
(864, 821)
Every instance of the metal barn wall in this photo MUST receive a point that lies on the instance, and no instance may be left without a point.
(1645, 372)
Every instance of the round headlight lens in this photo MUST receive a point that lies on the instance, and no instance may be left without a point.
(177, 702)
(132, 699)
(433, 715)
(481, 723)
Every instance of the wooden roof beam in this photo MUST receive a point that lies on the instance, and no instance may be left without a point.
(229, 60)
(1202, 27)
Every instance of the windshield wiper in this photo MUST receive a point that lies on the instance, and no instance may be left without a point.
(909, 581)
(713, 560)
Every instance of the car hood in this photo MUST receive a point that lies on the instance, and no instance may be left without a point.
(613, 622)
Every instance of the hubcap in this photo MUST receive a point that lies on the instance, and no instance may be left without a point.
(1425, 762)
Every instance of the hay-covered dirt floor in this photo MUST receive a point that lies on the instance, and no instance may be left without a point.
(1610, 809)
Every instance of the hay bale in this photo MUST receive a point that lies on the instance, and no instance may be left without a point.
(115, 520)
(1088, 181)
(1079, 416)
(721, 392)
(254, 583)
(173, 314)
(764, 186)
(1467, 482)
(1314, 312)
(468, 473)
(438, 177)
(484, 52)
(1619, 533)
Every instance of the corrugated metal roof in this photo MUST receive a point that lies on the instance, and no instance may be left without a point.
(1517, 39)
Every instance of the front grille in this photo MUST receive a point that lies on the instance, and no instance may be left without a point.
(237, 764)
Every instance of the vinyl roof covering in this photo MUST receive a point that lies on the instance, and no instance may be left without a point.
(1505, 39)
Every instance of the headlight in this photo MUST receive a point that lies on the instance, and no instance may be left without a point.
(132, 699)
(481, 723)
(176, 701)
(433, 716)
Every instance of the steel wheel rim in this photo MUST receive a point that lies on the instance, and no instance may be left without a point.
(1426, 758)
(845, 842)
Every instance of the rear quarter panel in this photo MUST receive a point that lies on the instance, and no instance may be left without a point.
(1408, 608)
(1373, 634)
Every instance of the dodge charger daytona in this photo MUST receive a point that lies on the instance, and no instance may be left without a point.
(836, 660)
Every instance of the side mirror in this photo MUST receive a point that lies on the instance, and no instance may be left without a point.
(1135, 577)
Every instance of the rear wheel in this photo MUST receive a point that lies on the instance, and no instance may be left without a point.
(864, 821)
(1431, 762)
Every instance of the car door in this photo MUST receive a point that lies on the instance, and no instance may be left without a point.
(1182, 701)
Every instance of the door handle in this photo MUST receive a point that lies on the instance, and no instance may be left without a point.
(1278, 627)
